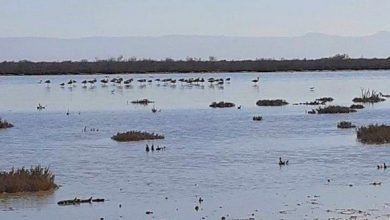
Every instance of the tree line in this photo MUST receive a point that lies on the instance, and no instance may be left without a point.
(114, 66)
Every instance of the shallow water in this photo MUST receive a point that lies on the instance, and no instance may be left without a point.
(218, 154)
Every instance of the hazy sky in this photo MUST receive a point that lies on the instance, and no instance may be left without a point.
(81, 18)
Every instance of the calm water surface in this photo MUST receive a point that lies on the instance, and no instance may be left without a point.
(218, 154)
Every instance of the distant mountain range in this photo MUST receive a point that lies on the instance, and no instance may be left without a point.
(311, 45)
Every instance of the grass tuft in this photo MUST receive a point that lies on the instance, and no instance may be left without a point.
(374, 134)
(271, 102)
(222, 105)
(369, 96)
(136, 136)
(345, 125)
(27, 180)
(4, 124)
(334, 109)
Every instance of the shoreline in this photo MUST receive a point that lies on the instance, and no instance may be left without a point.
(110, 67)
(202, 72)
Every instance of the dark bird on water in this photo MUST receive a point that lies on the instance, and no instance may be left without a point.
(282, 163)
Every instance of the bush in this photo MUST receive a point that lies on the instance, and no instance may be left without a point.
(27, 180)
(136, 136)
(345, 124)
(4, 124)
(222, 105)
(271, 102)
(374, 134)
(369, 96)
(334, 109)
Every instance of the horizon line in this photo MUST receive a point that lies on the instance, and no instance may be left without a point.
(200, 35)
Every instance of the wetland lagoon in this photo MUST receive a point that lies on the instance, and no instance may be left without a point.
(217, 163)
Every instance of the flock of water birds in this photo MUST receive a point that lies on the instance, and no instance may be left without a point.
(128, 82)
(120, 82)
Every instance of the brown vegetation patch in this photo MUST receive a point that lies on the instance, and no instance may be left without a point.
(271, 102)
(334, 109)
(136, 136)
(374, 134)
(222, 105)
(27, 180)
(5, 124)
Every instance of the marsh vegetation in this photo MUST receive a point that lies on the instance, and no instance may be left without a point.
(345, 125)
(334, 109)
(271, 102)
(222, 105)
(374, 134)
(356, 106)
(369, 96)
(27, 180)
(5, 124)
(134, 65)
(136, 136)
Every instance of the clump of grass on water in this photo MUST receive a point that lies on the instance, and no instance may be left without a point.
(374, 134)
(136, 136)
(369, 96)
(27, 180)
(345, 125)
(356, 106)
(334, 109)
(271, 102)
(222, 105)
(4, 124)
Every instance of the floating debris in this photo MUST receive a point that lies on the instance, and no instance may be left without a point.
(77, 201)
(142, 102)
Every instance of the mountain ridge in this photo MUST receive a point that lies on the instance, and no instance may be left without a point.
(311, 45)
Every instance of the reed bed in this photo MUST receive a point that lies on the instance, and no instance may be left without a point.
(334, 109)
(369, 96)
(27, 180)
(4, 124)
(136, 136)
(222, 105)
(345, 125)
(374, 134)
(271, 102)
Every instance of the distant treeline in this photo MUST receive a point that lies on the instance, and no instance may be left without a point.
(112, 66)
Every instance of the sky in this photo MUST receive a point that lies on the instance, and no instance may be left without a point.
(84, 18)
